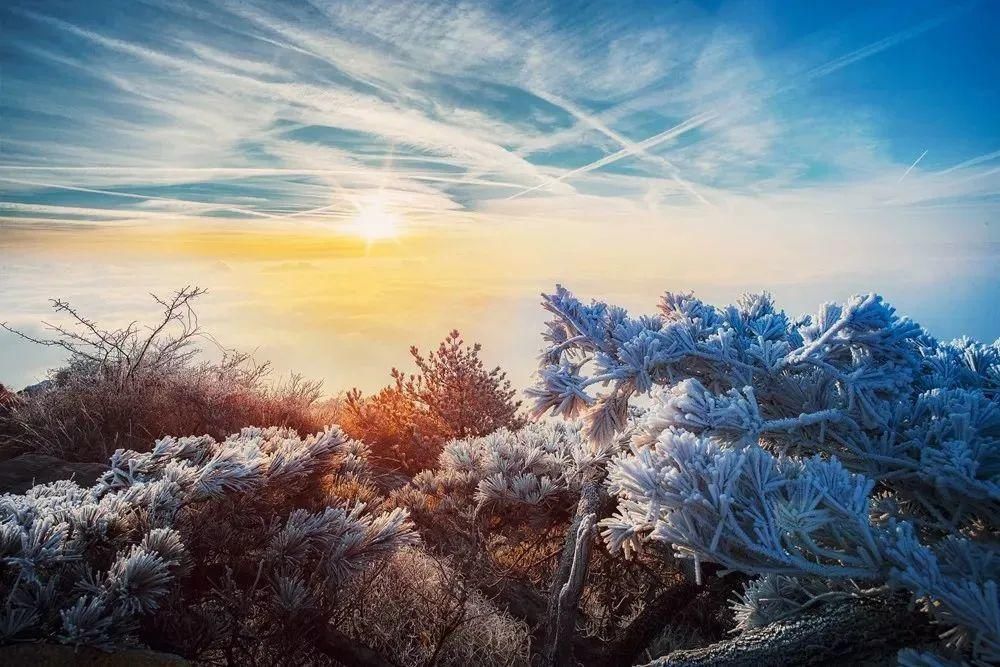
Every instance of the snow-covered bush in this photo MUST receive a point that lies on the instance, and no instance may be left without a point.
(834, 455)
(511, 483)
(209, 549)
(500, 507)
(539, 466)
(501, 482)
(528, 466)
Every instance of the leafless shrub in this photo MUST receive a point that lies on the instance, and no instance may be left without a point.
(419, 610)
(125, 387)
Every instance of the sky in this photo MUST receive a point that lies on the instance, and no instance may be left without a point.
(350, 178)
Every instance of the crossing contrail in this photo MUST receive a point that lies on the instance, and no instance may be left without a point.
(910, 168)
(696, 121)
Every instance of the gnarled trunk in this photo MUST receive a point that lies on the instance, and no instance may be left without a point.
(570, 577)
(866, 630)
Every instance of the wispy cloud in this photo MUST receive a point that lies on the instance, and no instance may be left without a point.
(972, 162)
(144, 198)
(290, 111)
(624, 147)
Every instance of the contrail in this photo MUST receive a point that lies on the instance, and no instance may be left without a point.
(879, 46)
(271, 171)
(128, 195)
(79, 210)
(815, 73)
(971, 163)
(675, 131)
(624, 142)
(910, 168)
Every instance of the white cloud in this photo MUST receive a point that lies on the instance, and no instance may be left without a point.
(266, 110)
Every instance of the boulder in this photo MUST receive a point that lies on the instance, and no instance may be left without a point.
(20, 473)
(37, 388)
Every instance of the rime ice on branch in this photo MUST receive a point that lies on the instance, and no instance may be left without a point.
(190, 532)
(832, 454)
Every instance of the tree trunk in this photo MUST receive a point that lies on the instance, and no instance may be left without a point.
(347, 650)
(847, 632)
(570, 577)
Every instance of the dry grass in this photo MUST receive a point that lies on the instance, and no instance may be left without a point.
(418, 610)
(127, 387)
(86, 418)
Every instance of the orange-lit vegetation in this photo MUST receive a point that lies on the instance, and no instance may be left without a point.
(435, 526)
(452, 395)
(123, 388)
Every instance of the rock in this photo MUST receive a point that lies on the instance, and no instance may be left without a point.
(37, 388)
(20, 473)
(58, 655)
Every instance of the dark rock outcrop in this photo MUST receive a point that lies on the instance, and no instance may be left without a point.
(20, 473)
(58, 655)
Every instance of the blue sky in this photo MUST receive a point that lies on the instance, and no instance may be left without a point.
(858, 140)
(494, 98)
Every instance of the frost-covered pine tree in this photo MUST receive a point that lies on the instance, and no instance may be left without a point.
(516, 487)
(502, 504)
(841, 458)
(532, 466)
(232, 551)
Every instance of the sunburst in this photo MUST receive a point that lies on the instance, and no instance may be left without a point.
(375, 222)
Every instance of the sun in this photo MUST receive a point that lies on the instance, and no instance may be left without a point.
(373, 222)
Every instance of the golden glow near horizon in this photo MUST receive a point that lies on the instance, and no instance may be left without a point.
(342, 201)
(324, 301)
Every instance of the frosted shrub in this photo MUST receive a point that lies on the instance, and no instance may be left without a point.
(532, 474)
(835, 455)
(533, 465)
(419, 610)
(528, 466)
(500, 507)
(209, 549)
(449, 503)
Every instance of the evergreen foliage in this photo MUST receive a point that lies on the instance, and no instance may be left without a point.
(227, 550)
(453, 395)
(833, 455)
